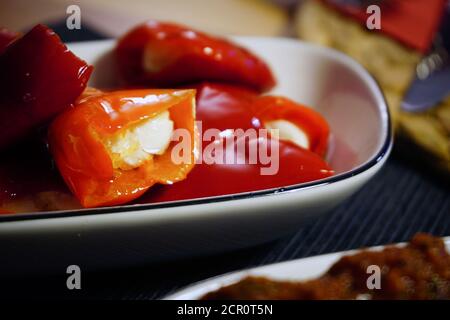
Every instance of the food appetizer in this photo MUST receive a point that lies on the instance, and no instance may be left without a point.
(421, 270)
(39, 79)
(226, 107)
(112, 147)
(162, 54)
(184, 93)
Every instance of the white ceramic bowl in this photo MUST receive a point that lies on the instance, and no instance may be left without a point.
(333, 83)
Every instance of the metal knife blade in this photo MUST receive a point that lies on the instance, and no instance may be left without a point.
(432, 83)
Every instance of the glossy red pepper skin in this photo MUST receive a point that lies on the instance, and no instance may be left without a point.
(238, 108)
(76, 140)
(224, 106)
(39, 78)
(296, 165)
(177, 55)
(6, 37)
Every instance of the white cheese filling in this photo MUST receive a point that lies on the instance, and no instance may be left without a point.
(131, 147)
(288, 131)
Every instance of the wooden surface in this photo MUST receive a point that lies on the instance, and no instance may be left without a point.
(114, 17)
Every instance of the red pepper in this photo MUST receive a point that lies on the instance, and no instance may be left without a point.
(271, 108)
(238, 109)
(39, 78)
(6, 37)
(296, 166)
(162, 54)
(224, 107)
(77, 141)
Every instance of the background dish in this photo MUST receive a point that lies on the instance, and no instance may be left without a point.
(295, 270)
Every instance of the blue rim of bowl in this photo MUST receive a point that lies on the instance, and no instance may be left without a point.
(380, 155)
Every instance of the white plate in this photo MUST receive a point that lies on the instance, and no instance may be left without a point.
(333, 83)
(295, 270)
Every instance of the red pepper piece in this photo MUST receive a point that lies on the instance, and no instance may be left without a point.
(39, 78)
(222, 107)
(6, 37)
(78, 140)
(270, 108)
(296, 165)
(162, 54)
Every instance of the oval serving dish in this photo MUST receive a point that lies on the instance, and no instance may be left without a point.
(337, 86)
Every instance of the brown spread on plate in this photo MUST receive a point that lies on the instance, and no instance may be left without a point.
(420, 270)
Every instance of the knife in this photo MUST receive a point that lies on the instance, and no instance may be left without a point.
(432, 82)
